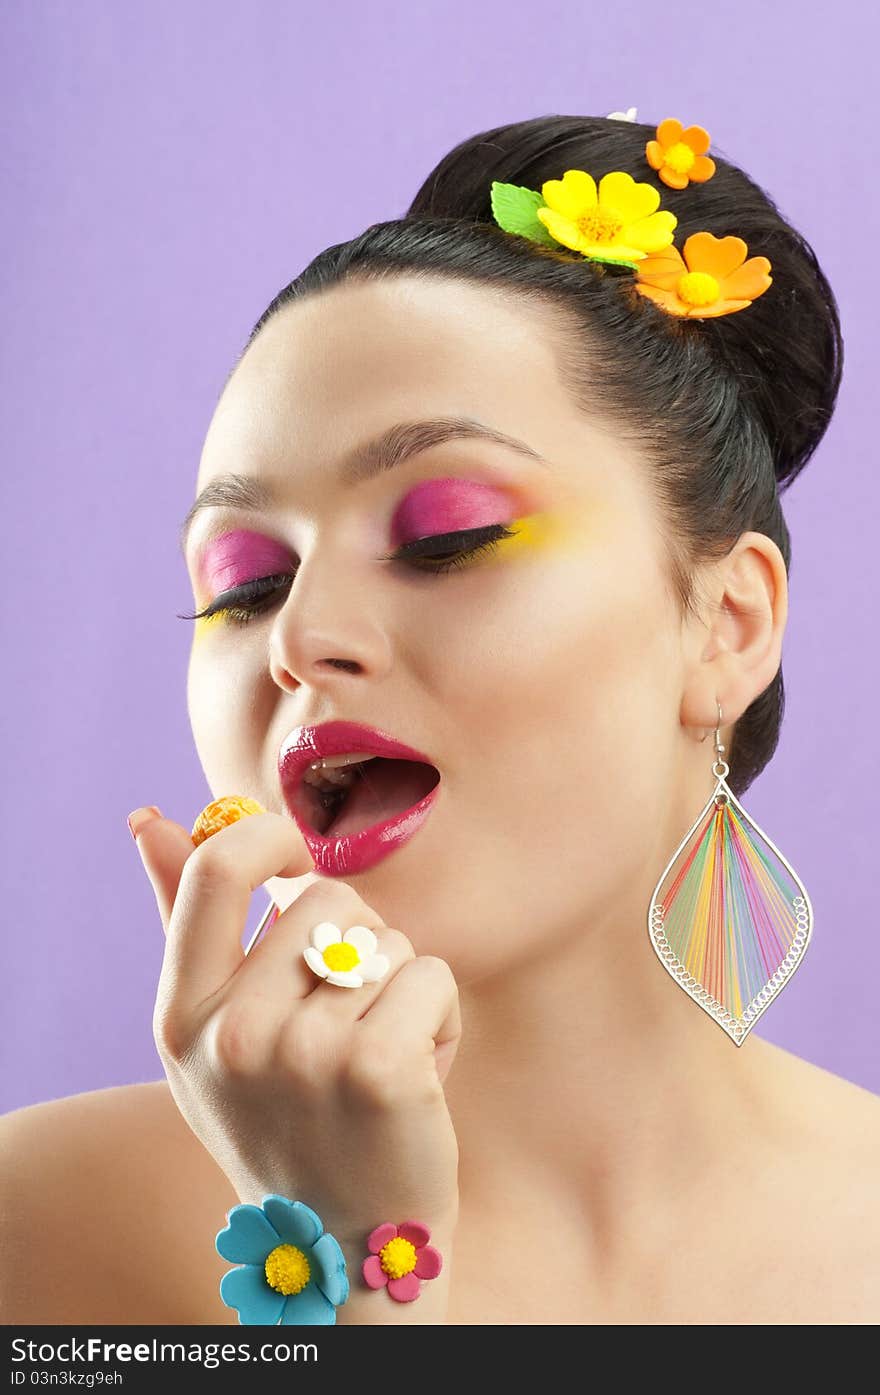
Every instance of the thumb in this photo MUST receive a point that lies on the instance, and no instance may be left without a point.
(164, 847)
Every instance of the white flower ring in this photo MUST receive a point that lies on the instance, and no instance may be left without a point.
(349, 960)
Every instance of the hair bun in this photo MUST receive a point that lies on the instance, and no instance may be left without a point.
(785, 351)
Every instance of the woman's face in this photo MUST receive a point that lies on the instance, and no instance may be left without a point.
(543, 679)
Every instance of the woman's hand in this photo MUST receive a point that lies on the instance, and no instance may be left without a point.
(332, 1096)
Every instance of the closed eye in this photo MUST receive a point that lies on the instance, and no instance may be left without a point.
(436, 549)
(439, 553)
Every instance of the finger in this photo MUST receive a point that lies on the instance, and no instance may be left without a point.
(279, 956)
(164, 847)
(335, 1003)
(209, 912)
(419, 1012)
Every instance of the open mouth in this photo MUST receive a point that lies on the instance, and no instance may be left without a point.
(346, 800)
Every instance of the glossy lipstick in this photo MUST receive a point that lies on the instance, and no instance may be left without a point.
(352, 852)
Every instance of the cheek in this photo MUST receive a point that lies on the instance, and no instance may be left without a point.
(228, 727)
(558, 675)
(555, 691)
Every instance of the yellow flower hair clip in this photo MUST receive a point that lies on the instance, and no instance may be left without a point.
(679, 155)
(619, 222)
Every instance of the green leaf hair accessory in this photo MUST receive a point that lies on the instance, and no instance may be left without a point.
(617, 223)
(516, 210)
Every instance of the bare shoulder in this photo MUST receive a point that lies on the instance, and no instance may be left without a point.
(109, 1214)
(824, 1132)
(845, 1115)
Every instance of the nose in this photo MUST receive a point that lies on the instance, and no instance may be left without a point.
(330, 622)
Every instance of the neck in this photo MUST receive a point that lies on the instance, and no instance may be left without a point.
(591, 1067)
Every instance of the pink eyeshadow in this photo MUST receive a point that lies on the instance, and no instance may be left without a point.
(449, 506)
(237, 557)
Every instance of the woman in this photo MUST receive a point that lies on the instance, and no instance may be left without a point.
(581, 1140)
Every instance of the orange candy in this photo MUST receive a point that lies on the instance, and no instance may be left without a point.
(222, 812)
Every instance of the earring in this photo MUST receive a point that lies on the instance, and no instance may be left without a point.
(730, 919)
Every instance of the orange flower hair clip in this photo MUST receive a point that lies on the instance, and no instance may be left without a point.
(679, 155)
(711, 278)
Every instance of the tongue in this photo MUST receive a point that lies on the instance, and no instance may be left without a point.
(386, 788)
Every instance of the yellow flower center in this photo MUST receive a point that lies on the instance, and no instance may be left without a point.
(698, 288)
(599, 226)
(679, 157)
(287, 1269)
(341, 957)
(398, 1257)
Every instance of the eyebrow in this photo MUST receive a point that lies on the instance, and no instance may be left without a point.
(367, 460)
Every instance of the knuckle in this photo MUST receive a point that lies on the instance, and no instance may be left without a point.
(433, 964)
(235, 1038)
(332, 898)
(372, 1074)
(172, 1041)
(209, 868)
(397, 944)
(434, 970)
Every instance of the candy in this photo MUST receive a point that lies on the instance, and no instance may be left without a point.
(222, 812)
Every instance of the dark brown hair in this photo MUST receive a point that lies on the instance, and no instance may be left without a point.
(727, 410)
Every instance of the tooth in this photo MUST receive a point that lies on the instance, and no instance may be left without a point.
(330, 779)
(334, 773)
(330, 762)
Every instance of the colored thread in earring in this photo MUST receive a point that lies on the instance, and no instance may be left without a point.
(729, 918)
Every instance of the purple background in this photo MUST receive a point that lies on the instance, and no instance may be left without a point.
(166, 169)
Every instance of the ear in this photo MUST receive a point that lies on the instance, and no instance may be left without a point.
(734, 650)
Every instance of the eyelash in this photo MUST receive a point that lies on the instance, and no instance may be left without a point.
(241, 605)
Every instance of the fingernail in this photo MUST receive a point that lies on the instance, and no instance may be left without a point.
(139, 817)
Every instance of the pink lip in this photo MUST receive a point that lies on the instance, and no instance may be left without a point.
(343, 856)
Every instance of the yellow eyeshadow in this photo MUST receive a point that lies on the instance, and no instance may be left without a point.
(537, 532)
(206, 623)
